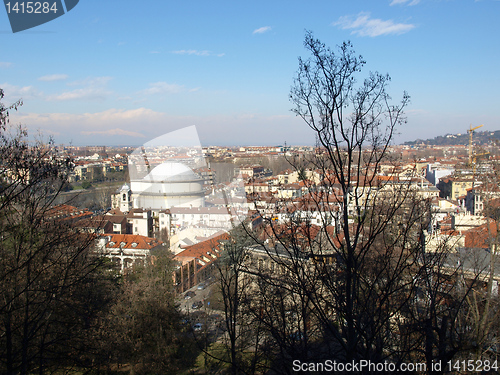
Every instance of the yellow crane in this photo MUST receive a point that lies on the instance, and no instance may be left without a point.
(470, 131)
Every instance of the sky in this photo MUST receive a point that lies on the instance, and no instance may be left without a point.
(121, 72)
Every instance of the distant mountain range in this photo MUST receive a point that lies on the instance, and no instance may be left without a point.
(479, 138)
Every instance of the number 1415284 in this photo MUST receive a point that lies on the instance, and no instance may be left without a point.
(472, 365)
(29, 7)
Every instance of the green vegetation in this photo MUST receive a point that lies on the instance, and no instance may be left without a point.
(481, 138)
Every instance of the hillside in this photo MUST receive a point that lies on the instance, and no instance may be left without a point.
(480, 138)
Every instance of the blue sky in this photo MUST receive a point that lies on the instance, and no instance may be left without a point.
(123, 72)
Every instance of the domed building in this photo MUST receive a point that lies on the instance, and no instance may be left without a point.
(168, 185)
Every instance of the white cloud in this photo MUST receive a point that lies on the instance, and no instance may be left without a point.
(94, 89)
(192, 52)
(89, 93)
(53, 77)
(161, 88)
(410, 2)
(363, 25)
(133, 127)
(116, 131)
(262, 30)
(4, 64)
(111, 123)
(197, 52)
(92, 81)
(14, 93)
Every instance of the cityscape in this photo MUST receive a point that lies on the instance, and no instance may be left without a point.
(255, 188)
(136, 203)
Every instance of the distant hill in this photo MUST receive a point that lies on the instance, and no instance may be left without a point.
(480, 138)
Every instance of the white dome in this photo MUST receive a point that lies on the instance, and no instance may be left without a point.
(168, 185)
(171, 172)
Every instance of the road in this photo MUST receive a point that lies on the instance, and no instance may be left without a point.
(201, 295)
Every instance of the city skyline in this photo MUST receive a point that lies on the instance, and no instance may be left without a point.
(125, 73)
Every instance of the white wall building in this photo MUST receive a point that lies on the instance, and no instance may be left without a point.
(435, 172)
(168, 185)
(218, 218)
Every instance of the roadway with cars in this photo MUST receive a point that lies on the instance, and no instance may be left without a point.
(197, 296)
(194, 303)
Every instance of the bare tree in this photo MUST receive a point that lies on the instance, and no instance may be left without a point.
(142, 331)
(377, 220)
(241, 344)
(361, 271)
(482, 305)
(346, 272)
(51, 281)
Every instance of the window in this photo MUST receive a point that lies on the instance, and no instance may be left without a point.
(261, 264)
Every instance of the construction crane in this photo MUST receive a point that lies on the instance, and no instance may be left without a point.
(470, 131)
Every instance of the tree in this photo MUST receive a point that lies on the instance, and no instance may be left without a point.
(348, 273)
(52, 283)
(377, 222)
(284, 284)
(339, 284)
(143, 330)
(355, 267)
(483, 305)
(241, 345)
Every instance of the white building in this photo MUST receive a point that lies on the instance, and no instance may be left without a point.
(126, 249)
(435, 172)
(168, 185)
(217, 218)
(141, 222)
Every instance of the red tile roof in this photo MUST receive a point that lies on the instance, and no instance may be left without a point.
(481, 236)
(127, 241)
(204, 252)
